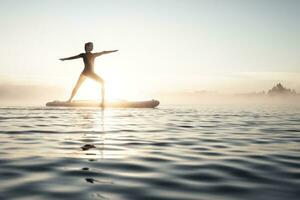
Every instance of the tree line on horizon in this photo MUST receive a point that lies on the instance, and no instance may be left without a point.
(279, 89)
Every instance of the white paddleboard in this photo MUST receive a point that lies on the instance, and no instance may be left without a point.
(113, 104)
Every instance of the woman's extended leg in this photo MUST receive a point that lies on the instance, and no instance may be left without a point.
(78, 84)
(97, 78)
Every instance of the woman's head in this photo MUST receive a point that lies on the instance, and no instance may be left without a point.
(88, 47)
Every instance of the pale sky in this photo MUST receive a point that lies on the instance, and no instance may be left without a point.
(218, 45)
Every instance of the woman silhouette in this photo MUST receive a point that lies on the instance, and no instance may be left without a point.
(88, 71)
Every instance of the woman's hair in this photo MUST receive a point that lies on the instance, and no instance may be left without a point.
(88, 46)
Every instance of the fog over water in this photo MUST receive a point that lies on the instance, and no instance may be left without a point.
(37, 95)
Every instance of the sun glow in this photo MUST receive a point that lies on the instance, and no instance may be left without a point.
(91, 90)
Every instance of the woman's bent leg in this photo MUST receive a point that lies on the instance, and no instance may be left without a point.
(97, 78)
(78, 84)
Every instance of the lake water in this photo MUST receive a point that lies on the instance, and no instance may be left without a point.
(210, 152)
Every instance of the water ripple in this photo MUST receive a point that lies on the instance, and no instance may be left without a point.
(205, 152)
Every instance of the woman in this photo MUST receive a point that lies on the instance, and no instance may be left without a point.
(88, 71)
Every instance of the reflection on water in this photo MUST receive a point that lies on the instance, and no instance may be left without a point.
(205, 152)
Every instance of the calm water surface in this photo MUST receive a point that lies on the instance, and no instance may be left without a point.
(205, 152)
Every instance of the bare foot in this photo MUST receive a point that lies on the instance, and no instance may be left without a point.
(102, 104)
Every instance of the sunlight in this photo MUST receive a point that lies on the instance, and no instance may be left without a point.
(91, 90)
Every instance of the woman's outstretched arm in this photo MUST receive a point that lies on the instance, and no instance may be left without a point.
(104, 52)
(71, 58)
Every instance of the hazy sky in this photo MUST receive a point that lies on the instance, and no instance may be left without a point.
(163, 45)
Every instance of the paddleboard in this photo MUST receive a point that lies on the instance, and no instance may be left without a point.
(113, 104)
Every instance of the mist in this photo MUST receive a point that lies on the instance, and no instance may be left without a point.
(16, 94)
(211, 97)
(35, 95)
